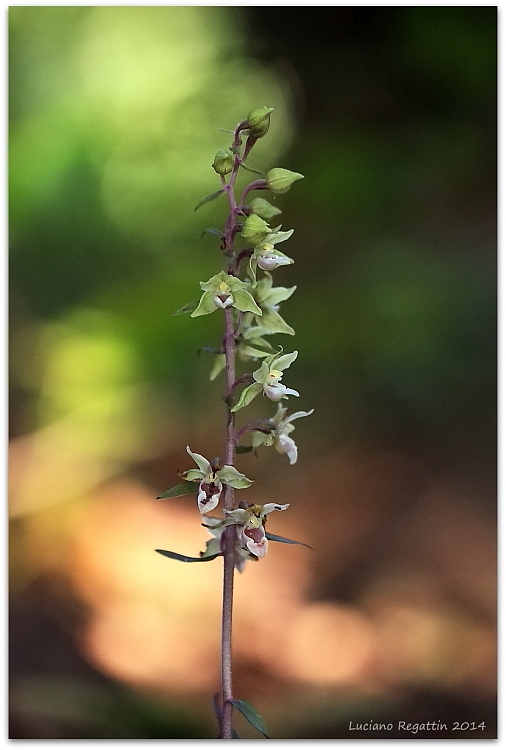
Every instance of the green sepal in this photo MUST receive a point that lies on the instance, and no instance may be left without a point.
(206, 305)
(229, 475)
(185, 488)
(189, 308)
(201, 462)
(244, 302)
(247, 396)
(251, 715)
(274, 538)
(210, 197)
(185, 558)
(272, 322)
(251, 349)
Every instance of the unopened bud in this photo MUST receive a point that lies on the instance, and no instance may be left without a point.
(259, 121)
(254, 229)
(264, 209)
(279, 180)
(223, 161)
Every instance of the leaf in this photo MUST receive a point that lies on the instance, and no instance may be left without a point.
(211, 231)
(243, 448)
(185, 488)
(255, 171)
(208, 198)
(274, 538)
(189, 308)
(185, 558)
(218, 366)
(251, 715)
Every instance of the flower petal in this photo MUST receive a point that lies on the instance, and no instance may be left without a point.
(297, 415)
(269, 507)
(208, 496)
(255, 541)
(284, 360)
(285, 444)
(194, 475)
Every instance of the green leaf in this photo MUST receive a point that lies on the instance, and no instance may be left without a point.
(243, 448)
(274, 538)
(251, 715)
(185, 558)
(189, 308)
(185, 488)
(211, 231)
(255, 171)
(208, 198)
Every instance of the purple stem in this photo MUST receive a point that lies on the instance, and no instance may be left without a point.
(229, 535)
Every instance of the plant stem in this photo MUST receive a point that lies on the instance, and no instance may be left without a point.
(229, 546)
(230, 532)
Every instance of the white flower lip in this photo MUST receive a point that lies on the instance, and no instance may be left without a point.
(223, 300)
(271, 261)
(285, 444)
(277, 391)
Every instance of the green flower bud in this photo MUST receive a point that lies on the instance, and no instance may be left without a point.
(254, 229)
(264, 209)
(223, 161)
(279, 180)
(259, 121)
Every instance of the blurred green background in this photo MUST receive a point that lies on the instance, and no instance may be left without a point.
(390, 113)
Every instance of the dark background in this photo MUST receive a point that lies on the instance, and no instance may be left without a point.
(390, 113)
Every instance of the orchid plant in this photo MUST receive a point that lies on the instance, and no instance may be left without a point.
(249, 302)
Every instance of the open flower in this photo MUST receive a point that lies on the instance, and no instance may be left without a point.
(267, 379)
(252, 541)
(211, 477)
(279, 436)
(251, 526)
(223, 290)
(268, 299)
(266, 256)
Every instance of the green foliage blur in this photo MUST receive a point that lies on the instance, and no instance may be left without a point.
(114, 118)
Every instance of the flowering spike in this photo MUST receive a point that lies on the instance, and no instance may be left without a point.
(250, 313)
